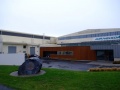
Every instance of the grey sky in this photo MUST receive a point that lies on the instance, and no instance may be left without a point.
(58, 17)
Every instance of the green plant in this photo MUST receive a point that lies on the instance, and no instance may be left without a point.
(116, 62)
(105, 69)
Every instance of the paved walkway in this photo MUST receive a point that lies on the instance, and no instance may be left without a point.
(69, 65)
(2, 87)
(104, 63)
(77, 65)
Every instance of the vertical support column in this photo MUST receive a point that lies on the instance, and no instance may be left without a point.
(43, 38)
(1, 42)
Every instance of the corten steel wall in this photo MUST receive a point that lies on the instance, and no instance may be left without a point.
(79, 53)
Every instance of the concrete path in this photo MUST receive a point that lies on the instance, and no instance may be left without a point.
(68, 65)
(77, 65)
(104, 63)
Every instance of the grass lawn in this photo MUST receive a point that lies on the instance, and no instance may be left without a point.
(56, 79)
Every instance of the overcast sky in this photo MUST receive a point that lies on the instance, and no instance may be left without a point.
(58, 17)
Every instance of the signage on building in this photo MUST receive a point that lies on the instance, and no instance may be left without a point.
(115, 37)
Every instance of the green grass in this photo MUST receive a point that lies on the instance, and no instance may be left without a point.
(56, 79)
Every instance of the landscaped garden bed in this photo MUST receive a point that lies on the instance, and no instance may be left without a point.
(116, 62)
(105, 69)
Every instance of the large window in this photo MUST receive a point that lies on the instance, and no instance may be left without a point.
(24, 35)
(110, 42)
(64, 52)
(90, 35)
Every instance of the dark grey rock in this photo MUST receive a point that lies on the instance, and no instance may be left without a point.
(31, 66)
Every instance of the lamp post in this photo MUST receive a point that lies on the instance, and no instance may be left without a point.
(1, 43)
(43, 38)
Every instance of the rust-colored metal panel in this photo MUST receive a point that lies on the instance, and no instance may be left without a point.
(79, 53)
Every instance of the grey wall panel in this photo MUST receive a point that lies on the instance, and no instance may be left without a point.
(117, 51)
(115, 48)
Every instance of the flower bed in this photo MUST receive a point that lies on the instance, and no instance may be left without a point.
(116, 62)
(104, 69)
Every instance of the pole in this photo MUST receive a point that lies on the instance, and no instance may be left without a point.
(1, 42)
(43, 38)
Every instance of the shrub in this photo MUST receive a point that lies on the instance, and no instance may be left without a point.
(104, 69)
(118, 69)
(116, 62)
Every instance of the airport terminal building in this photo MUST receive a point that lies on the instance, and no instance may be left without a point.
(105, 42)
(90, 44)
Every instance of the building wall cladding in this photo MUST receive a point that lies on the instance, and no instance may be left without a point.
(79, 53)
(115, 48)
(24, 38)
(20, 48)
(18, 40)
(85, 38)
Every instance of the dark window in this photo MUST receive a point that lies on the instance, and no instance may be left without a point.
(15, 34)
(11, 49)
(23, 35)
(64, 52)
(118, 33)
(24, 46)
(47, 37)
(90, 35)
(36, 36)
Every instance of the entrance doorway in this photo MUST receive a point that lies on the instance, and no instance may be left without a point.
(105, 55)
(32, 50)
(47, 53)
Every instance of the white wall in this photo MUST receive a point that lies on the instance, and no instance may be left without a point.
(12, 59)
(53, 40)
(1, 47)
(19, 48)
(24, 40)
(29, 42)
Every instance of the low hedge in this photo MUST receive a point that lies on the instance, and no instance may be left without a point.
(105, 69)
(116, 62)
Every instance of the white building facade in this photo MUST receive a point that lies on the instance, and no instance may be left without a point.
(16, 42)
(105, 42)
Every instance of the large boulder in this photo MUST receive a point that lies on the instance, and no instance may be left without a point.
(31, 66)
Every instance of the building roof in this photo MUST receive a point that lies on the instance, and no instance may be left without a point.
(92, 31)
(23, 33)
